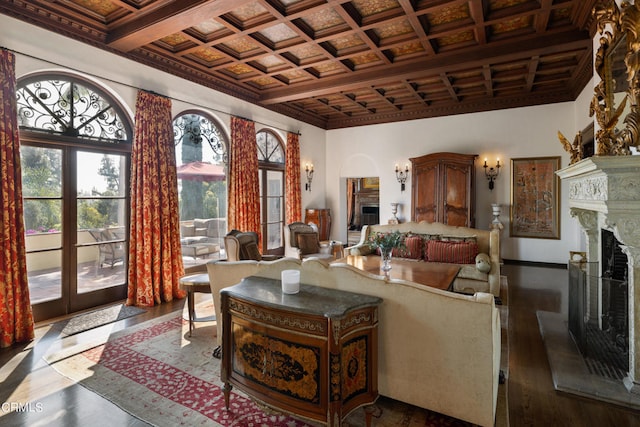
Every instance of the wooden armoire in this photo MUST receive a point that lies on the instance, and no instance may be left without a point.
(443, 188)
(321, 218)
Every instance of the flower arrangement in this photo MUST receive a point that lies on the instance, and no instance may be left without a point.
(386, 242)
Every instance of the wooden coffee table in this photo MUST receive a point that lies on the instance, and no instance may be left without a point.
(432, 274)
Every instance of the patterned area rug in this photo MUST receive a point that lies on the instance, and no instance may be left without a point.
(84, 322)
(159, 374)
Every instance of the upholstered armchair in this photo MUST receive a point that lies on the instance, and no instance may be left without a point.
(241, 246)
(302, 241)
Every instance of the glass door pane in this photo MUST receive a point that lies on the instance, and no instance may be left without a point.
(275, 214)
(101, 235)
(42, 193)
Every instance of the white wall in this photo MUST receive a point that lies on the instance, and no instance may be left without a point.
(123, 77)
(515, 133)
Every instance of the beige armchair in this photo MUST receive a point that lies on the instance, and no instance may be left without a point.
(242, 246)
(302, 241)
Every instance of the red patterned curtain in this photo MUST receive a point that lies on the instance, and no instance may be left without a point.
(16, 317)
(155, 257)
(244, 188)
(292, 196)
(350, 200)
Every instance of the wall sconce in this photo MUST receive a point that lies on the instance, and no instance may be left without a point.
(491, 173)
(402, 175)
(309, 170)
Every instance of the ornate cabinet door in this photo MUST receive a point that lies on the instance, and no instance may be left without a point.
(425, 191)
(443, 188)
(458, 194)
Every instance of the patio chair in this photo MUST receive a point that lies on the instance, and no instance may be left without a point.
(110, 252)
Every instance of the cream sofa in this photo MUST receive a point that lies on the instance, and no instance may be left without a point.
(427, 357)
(470, 279)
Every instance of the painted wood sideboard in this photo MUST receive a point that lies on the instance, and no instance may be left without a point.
(312, 354)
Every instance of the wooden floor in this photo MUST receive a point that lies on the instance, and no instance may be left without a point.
(532, 398)
(53, 400)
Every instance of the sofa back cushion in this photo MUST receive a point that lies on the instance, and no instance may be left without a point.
(451, 252)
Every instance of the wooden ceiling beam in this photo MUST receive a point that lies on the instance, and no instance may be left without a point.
(443, 63)
(169, 19)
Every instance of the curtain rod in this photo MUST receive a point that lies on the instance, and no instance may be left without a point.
(146, 90)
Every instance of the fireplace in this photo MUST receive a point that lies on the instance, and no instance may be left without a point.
(367, 208)
(599, 318)
(370, 214)
(604, 195)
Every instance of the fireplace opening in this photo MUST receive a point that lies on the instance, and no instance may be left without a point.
(598, 310)
(614, 261)
(370, 215)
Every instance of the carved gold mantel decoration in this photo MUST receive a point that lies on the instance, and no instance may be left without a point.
(573, 148)
(619, 28)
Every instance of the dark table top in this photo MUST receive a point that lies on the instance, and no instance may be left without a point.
(314, 300)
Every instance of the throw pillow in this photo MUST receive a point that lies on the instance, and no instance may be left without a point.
(452, 252)
(483, 263)
(412, 248)
(425, 241)
(252, 251)
(308, 243)
(361, 250)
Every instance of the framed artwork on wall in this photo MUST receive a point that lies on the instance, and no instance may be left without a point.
(535, 195)
(371, 183)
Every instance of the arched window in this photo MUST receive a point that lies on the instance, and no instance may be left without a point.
(201, 156)
(271, 176)
(75, 157)
(66, 106)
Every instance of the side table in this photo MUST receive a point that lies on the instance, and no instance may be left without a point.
(193, 283)
(336, 248)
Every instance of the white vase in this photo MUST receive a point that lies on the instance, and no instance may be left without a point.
(496, 210)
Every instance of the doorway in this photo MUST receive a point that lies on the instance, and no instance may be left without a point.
(363, 205)
(75, 155)
(76, 227)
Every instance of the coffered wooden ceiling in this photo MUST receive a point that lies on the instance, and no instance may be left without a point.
(342, 63)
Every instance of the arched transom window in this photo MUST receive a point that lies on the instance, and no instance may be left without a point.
(66, 106)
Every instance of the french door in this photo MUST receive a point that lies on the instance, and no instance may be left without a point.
(76, 222)
(272, 210)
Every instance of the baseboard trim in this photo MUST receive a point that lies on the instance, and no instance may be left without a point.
(535, 263)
